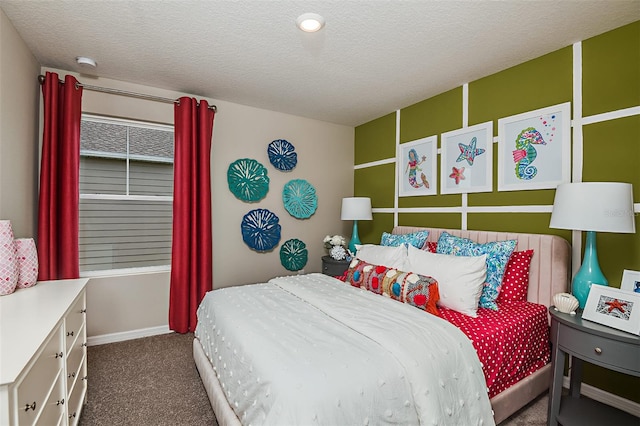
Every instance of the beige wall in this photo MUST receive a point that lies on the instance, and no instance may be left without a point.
(19, 95)
(325, 158)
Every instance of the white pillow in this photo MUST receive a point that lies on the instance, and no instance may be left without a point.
(460, 278)
(391, 257)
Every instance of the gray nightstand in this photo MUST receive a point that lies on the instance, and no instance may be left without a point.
(595, 344)
(335, 268)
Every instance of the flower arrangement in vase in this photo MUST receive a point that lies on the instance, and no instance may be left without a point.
(336, 245)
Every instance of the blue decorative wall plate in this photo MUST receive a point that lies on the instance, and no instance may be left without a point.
(293, 254)
(299, 198)
(260, 230)
(248, 180)
(282, 155)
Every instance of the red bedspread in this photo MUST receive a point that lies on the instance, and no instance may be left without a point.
(512, 342)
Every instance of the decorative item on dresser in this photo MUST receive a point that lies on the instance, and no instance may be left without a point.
(43, 361)
(595, 344)
(592, 207)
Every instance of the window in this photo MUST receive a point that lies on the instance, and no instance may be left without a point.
(126, 194)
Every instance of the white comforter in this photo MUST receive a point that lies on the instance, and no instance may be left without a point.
(309, 349)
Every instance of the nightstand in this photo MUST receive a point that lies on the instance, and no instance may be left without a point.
(335, 268)
(596, 344)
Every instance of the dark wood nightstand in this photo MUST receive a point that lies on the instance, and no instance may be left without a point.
(596, 344)
(335, 268)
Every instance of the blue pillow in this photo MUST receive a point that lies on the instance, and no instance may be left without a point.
(416, 239)
(498, 254)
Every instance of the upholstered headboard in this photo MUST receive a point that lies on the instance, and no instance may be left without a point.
(550, 271)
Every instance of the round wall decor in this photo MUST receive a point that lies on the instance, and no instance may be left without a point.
(282, 155)
(260, 230)
(248, 180)
(293, 254)
(299, 198)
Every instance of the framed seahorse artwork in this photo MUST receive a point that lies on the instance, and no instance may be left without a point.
(417, 167)
(534, 149)
(466, 159)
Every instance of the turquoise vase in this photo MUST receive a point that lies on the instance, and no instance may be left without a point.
(589, 272)
(354, 238)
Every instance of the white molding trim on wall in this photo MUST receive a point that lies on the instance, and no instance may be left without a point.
(606, 398)
(607, 116)
(374, 163)
(127, 335)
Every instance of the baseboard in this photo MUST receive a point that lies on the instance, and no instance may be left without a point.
(127, 335)
(607, 398)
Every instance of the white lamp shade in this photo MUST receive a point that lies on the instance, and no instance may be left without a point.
(594, 206)
(356, 208)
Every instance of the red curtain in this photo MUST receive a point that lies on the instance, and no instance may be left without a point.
(58, 217)
(191, 258)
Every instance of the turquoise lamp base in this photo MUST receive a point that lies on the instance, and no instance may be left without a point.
(589, 273)
(354, 238)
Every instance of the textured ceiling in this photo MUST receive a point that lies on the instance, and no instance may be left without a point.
(371, 58)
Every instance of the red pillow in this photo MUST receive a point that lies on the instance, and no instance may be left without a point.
(516, 278)
(430, 246)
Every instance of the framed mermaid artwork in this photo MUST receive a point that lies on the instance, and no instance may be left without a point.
(534, 149)
(466, 159)
(417, 167)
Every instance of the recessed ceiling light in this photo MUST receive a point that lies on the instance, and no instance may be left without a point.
(310, 22)
(84, 61)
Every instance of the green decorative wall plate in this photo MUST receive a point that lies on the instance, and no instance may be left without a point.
(293, 254)
(248, 180)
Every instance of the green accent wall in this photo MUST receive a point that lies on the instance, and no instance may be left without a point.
(611, 70)
(610, 151)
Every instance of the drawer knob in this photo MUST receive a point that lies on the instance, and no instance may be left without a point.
(85, 377)
(83, 311)
(598, 350)
(60, 402)
(59, 355)
(84, 344)
(69, 333)
(28, 407)
(72, 415)
(72, 375)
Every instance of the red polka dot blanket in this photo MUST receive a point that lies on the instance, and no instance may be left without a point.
(511, 343)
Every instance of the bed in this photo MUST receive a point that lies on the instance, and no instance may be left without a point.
(401, 383)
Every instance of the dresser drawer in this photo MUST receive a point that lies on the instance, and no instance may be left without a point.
(75, 321)
(34, 387)
(599, 350)
(76, 399)
(53, 409)
(74, 362)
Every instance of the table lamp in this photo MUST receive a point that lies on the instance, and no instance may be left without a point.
(355, 208)
(592, 207)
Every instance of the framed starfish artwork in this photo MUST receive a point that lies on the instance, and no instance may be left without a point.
(534, 149)
(613, 307)
(466, 159)
(417, 167)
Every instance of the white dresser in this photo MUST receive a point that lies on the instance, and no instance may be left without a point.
(43, 354)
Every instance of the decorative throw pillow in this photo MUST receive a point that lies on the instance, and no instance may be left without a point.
(392, 257)
(8, 259)
(515, 283)
(407, 287)
(498, 254)
(416, 239)
(431, 246)
(460, 278)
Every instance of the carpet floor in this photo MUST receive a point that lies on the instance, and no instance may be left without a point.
(154, 381)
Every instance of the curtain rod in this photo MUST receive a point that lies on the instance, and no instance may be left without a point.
(126, 93)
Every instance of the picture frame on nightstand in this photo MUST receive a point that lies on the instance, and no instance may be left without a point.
(630, 281)
(614, 308)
